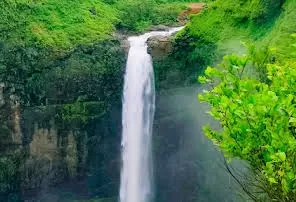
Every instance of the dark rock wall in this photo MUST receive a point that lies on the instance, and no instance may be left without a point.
(55, 119)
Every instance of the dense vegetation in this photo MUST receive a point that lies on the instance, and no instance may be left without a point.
(258, 122)
(253, 95)
(61, 68)
(252, 92)
(63, 24)
(220, 29)
(63, 61)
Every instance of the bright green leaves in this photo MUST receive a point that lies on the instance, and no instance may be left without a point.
(258, 118)
(280, 156)
(203, 79)
(210, 72)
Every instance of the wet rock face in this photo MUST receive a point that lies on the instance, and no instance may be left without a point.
(2, 100)
(159, 46)
(10, 118)
(43, 142)
(53, 157)
(125, 46)
(159, 28)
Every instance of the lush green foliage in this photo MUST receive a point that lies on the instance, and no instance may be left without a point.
(226, 23)
(139, 15)
(60, 55)
(257, 119)
(81, 112)
(219, 30)
(218, 21)
(56, 23)
(66, 24)
(39, 77)
(279, 36)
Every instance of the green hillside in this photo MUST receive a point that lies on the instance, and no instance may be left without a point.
(265, 23)
(61, 71)
(66, 24)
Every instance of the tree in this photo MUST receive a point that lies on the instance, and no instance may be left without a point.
(258, 121)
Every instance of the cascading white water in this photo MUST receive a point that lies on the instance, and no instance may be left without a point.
(137, 120)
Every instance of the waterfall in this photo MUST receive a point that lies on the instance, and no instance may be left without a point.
(137, 119)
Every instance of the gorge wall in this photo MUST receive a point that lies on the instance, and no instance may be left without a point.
(53, 120)
(60, 94)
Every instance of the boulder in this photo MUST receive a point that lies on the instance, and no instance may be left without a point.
(159, 46)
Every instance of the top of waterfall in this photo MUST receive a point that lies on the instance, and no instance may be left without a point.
(140, 40)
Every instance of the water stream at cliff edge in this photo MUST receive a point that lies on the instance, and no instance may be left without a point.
(137, 118)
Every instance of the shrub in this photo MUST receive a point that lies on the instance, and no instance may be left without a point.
(258, 121)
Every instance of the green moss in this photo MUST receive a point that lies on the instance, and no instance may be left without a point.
(82, 112)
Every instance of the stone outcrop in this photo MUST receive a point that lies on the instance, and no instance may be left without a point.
(159, 28)
(10, 118)
(52, 151)
(16, 124)
(159, 46)
(52, 158)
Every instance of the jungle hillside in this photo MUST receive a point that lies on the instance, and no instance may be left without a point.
(225, 116)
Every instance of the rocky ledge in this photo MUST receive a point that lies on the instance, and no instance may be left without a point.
(159, 46)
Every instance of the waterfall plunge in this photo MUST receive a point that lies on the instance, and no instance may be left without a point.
(137, 119)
